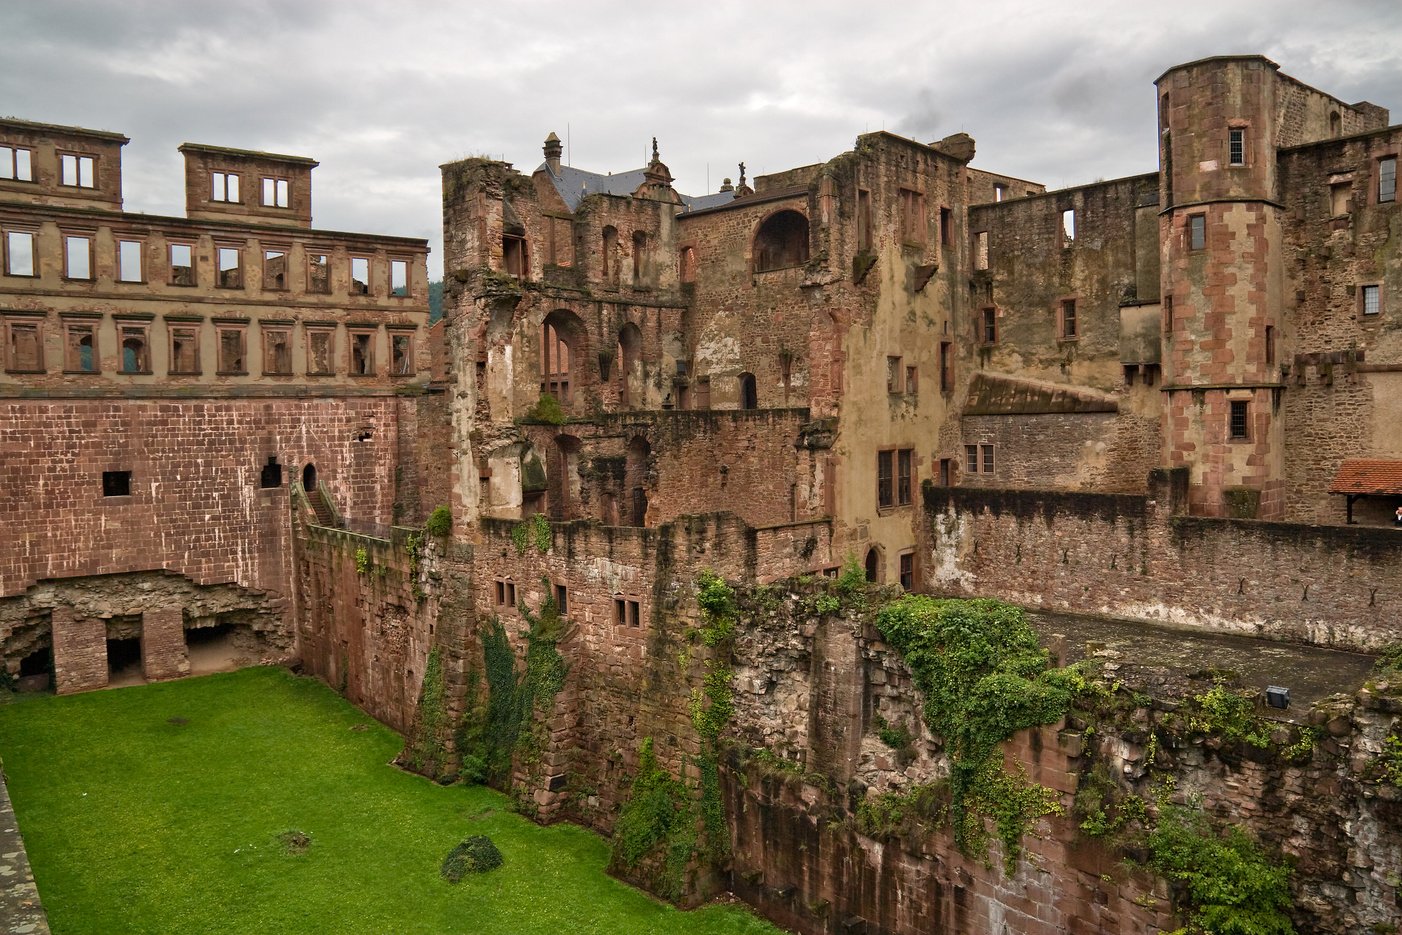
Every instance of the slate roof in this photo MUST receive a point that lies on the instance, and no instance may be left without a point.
(573, 184)
(1368, 476)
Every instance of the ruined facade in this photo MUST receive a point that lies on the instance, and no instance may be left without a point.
(1157, 399)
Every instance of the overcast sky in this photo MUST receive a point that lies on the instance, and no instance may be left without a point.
(383, 93)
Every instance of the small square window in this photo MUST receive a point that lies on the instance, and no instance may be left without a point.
(224, 186)
(1197, 231)
(77, 257)
(77, 171)
(16, 164)
(129, 265)
(19, 253)
(276, 192)
(182, 264)
(184, 349)
(399, 278)
(1236, 146)
(1238, 420)
(1370, 300)
(116, 483)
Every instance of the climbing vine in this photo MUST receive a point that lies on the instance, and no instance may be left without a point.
(533, 531)
(984, 678)
(1230, 715)
(426, 751)
(362, 561)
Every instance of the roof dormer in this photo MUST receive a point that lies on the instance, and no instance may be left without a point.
(244, 185)
(43, 163)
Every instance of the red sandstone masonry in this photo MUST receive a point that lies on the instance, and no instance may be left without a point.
(81, 644)
(163, 648)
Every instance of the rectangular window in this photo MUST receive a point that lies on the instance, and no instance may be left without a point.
(981, 250)
(946, 367)
(360, 275)
(911, 381)
(224, 186)
(277, 351)
(129, 266)
(399, 278)
(1197, 231)
(24, 347)
(16, 164)
(1270, 345)
(625, 612)
(912, 205)
(510, 593)
(907, 560)
(501, 592)
(230, 268)
(19, 253)
(905, 473)
(320, 356)
(946, 471)
(562, 599)
(182, 264)
(184, 349)
(893, 375)
(1000, 191)
(276, 192)
(135, 348)
(1387, 179)
(1236, 146)
(362, 353)
(79, 347)
(885, 479)
(989, 332)
(318, 273)
(274, 270)
(77, 257)
(1338, 198)
(1238, 419)
(401, 355)
(971, 459)
(1371, 300)
(987, 452)
(1068, 227)
(77, 171)
(116, 483)
(863, 221)
(946, 227)
(1068, 320)
(232, 347)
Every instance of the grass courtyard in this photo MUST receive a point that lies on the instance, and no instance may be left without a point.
(162, 809)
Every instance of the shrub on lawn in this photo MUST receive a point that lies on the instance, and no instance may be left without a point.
(476, 854)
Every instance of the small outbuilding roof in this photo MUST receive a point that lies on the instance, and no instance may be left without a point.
(1376, 476)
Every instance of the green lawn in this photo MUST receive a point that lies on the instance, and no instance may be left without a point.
(158, 809)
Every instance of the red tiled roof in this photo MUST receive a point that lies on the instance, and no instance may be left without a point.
(1368, 476)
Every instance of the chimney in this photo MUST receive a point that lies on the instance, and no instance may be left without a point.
(552, 150)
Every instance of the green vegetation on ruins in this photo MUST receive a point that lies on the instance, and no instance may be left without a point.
(167, 808)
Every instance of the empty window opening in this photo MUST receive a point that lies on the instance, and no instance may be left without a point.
(320, 353)
(136, 355)
(116, 483)
(873, 564)
(401, 355)
(318, 273)
(1068, 319)
(500, 589)
(274, 270)
(1151, 374)
(1000, 191)
(1197, 231)
(271, 475)
(277, 351)
(1387, 179)
(946, 367)
(1238, 424)
(513, 255)
(907, 560)
(946, 227)
(971, 459)
(224, 186)
(912, 211)
(946, 471)
(276, 192)
(905, 475)
(557, 342)
(1068, 227)
(981, 250)
(911, 381)
(687, 263)
(1336, 126)
(1270, 346)
(893, 375)
(987, 452)
(1338, 198)
(1236, 146)
(129, 265)
(863, 221)
(184, 350)
(231, 351)
(25, 347)
(19, 253)
(399, 278)
(360, 275)
(562, 599)
(77, 257)
(749, 391)
(76, 171)
(38, 663)
(629, 355)
(362, 354)
(16, 164)
(988, 333)
(781, 241)
(182, 264)
(79, 347)
(609, 259)
(1371, 299)
(625, 612)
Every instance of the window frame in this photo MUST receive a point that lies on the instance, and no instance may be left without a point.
(1196, 230)
(985, 450)
(1068, 230)
(970, 458)
(173, 331)
(281, 198)
(121, 269)
(78, 161)
(266, 251)
(352, 332)
(914, 223)
(171, 266)
(6, 233)
(220, 249)
(1236, 147)
(270, 331)
(73, 326)
(369, 285)
(1073, 332)
(407, 267)
(14, 322)
(905, 565)
(895, 477)
(1241, 408)
(895, 371)
(220, 330)
(143, 328)
(15, 149)
(1376, 288)
(87, 238)
(981, 241)
(311, 282)
(319, 329)
(407, 335)
(219, 187)
(1390, 160)
(905, 476)
(988, 325)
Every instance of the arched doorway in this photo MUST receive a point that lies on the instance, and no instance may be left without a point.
(749, 392)
(309, 477)
(562, 344)
(873, 564)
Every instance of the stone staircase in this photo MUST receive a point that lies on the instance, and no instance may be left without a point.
(325, 516)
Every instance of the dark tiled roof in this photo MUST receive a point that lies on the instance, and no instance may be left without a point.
(573, 184)
(1368, 476)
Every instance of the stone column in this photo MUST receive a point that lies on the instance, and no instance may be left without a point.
(80, 652)
(163, 653)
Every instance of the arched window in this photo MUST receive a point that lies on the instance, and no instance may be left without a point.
(781, 241)
(749, 393)
(561, 340)
(873, 564)
(134, 356)
(630, 365)
(687, 264)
